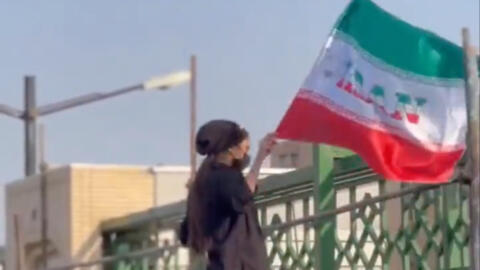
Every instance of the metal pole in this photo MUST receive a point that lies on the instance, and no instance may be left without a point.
(43, 196)
(18, 247)
(193, 115)
(324, 200)
(192, 258)
(85, 99)
(472, 86)
(10, 111)
(29, 119)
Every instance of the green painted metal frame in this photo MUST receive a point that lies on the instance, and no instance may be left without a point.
(324, 200)
(432, 227)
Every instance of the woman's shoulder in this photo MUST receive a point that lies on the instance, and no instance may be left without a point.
(222, 172)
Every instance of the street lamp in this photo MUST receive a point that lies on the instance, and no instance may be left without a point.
(165, 82)
(31, 112)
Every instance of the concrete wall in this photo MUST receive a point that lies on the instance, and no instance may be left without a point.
(79, 198)
(103, 192)
(23, 201)
(170, 184)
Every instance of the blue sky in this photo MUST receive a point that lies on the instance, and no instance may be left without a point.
(252, 56)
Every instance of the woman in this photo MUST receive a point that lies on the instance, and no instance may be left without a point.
(221, 216)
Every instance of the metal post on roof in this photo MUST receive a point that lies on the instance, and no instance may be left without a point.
(30, 118)
(43, 197)
(472, 86)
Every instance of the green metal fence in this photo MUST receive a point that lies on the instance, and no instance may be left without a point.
(424, 229)
(336, 215)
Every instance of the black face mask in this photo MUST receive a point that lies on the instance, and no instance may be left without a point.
(243, 163)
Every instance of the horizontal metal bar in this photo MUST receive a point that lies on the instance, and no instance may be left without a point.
(85, 99)
(326, 214)
(10, 111)
(279, 182)
(282, 199)
(265, 196)
(358, 180)
(139, 219)
(110, 259)
(350, 207)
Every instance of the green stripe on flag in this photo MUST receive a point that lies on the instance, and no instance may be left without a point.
(400, 44)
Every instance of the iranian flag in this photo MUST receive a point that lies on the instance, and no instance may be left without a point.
(391, 92)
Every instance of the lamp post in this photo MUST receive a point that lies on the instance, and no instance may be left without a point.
(31, 112)
(193, 116)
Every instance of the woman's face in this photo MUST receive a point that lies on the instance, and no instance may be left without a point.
(240, 150)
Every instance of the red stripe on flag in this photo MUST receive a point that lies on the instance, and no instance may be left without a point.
(389, 155)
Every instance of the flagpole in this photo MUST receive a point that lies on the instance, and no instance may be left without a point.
(472, 86)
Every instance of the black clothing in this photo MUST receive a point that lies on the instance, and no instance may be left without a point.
(231, 222)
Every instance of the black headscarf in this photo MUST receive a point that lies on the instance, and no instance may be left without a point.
(218, 136)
